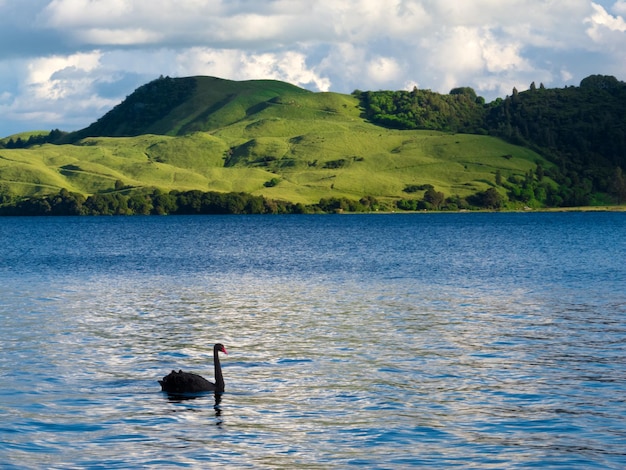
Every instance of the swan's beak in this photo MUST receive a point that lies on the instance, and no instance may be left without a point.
(224, 350)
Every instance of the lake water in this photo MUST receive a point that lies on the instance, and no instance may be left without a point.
(375, 341)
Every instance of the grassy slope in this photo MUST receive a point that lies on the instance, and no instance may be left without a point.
(250, 136)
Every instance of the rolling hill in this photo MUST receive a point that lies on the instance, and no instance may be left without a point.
(265, 138)
(218, 135)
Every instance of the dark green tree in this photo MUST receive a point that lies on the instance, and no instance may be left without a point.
(617, 186)
(140, 204)
(489, 199)
(434, 198)
(163, 203)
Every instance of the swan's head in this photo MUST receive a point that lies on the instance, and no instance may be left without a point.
(220, 347)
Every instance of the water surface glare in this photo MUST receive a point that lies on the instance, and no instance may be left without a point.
(376, 341)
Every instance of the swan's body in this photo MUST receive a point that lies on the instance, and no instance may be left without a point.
(186, 382)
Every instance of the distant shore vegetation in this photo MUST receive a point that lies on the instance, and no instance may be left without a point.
(527, 194)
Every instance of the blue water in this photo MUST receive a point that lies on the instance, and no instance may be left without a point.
(376, 341)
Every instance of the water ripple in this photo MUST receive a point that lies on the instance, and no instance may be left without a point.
(363, 358)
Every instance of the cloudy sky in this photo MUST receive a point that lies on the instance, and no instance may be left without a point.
(64, 63)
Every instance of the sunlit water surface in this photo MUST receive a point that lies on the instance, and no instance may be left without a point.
(384, 341)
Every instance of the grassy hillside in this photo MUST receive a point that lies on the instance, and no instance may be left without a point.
(181, 106)
(260, 137)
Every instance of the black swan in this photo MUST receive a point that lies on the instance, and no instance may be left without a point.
(186, 382)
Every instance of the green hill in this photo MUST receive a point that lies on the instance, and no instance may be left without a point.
(179, 106)
(271, 139)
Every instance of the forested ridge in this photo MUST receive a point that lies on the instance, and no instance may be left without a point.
(580, 129)
(138, 111)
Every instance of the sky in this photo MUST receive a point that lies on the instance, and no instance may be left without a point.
(65, 63)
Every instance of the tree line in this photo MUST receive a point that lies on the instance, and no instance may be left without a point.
(146, 202)
(38, 139)
(157, 202)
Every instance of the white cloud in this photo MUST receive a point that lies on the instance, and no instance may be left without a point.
(476, 49)
(601, 22)
(58, 89)
(607, 34)
(289, 66)
(350, 58)
(408, 86)
(566, 76)
(184, 22)
(78, 13)
(383, 69)
(41, 79)
(619, 7)
(500, 56)
(119, 37)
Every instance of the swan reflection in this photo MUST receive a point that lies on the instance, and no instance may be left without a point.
(182, 398)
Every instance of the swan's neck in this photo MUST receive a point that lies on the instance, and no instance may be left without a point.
(219, 378)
